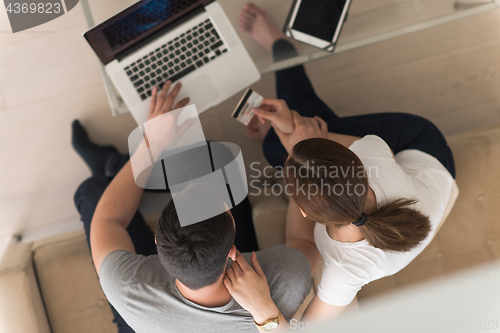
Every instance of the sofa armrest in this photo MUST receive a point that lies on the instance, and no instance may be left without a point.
(269, 218)
(21, 305)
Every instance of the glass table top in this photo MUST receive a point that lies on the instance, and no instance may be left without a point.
(368, 22)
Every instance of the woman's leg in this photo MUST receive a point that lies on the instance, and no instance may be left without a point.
(293, 86)
(401, 132)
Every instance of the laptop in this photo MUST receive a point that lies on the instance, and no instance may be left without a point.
(190, 41)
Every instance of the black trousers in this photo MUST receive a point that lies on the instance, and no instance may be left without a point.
(399, 130)
(90, 191)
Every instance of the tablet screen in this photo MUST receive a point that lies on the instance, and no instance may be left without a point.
(319, 18)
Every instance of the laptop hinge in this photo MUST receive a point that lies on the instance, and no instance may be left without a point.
(160, 32)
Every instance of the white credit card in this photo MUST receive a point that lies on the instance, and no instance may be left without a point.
(243, 111)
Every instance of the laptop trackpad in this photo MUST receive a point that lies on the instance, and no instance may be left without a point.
(200, 91)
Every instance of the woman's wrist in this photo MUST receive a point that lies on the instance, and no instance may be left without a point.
(263, 314)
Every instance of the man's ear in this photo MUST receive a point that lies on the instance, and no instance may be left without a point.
(155, 240)
(232, 253)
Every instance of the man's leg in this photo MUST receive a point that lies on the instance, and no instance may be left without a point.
(86, 198)
(245, 240)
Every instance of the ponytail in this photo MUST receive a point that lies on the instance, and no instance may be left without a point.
(395, 226)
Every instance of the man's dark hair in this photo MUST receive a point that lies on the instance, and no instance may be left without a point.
(195, 254)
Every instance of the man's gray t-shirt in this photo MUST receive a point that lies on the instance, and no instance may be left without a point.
(145, 294)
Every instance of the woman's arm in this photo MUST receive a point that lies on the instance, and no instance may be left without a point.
(292, 128)
(248, 286)
(318, 310)
(300, 234)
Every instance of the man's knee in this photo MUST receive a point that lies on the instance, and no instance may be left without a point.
(91, 189)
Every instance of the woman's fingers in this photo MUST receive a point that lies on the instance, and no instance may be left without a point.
(235, 266)
(230, 274)
(322, 124)
(263, 114)
(297, 118)
(275, 103)
(256, 265)
(315, 124)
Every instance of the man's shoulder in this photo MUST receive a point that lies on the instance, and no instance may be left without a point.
(288, 274)
(124, 268)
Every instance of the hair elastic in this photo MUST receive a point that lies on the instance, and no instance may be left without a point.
(361, 221)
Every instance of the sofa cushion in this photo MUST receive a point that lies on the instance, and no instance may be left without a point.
(21, 305)
(68, 282)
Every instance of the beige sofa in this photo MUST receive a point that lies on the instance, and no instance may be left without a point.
(50, 285)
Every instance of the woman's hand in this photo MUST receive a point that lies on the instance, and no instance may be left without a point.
(249, 288)
(276, 111)
(305, 128)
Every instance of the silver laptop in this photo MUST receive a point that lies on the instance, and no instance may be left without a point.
(191, 41)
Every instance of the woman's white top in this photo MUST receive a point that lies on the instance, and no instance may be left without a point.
(412, 174)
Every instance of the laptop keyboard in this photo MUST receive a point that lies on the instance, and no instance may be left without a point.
(177, 58)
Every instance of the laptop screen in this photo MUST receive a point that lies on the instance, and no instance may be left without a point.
(135, 23)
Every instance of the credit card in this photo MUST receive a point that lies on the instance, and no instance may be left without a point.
(243, 111)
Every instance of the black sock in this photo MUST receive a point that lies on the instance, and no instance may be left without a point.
(95, 156)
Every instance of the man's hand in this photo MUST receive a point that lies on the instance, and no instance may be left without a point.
(163, 131)
(249, 288)
(276, 111)
(305, 128)
(162, 101)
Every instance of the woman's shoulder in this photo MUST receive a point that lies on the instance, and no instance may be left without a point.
(373, 146)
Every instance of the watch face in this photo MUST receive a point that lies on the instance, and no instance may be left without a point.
(270, 326)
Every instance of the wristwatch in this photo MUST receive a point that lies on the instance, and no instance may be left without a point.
(269, 325)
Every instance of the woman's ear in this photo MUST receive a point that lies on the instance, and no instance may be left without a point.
(232, 253)
(303, 214)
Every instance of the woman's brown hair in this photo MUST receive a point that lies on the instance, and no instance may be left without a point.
(330, 184)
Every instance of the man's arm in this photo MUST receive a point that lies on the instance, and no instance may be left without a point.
(120, 200)
(115, 210)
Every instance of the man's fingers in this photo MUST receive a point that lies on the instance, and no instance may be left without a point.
(256, 265)
(152, 105)
(172, 96)
(162, 94)
(182, 103)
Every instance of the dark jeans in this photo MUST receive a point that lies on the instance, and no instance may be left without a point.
(399, 130)
(88, 194)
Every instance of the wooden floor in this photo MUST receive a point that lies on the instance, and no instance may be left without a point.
(48, 77)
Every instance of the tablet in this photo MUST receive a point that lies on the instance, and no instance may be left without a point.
(317, 22)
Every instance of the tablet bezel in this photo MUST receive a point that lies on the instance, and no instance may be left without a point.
(312, 40)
